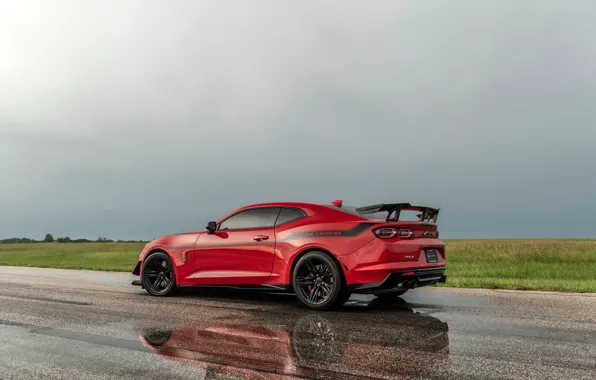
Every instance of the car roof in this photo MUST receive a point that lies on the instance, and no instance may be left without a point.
(309, 207)
(282, 204)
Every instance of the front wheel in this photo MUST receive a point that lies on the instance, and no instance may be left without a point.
(158, 276)
(317, 282)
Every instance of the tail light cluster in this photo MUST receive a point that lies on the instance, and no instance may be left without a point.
(392, 232)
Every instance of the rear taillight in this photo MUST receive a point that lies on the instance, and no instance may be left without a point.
(405, 233)
(391, 232)
(431, 234)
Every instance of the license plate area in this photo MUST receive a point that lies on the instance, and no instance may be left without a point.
(432, 256)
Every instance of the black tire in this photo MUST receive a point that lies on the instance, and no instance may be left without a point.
(158, 275)
(392, 295)
(318, 283)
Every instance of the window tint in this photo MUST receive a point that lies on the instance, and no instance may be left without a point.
(253, 218)
(289, 214)
(353, 211)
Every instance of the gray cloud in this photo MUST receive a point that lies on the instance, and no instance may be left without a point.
(150, 117)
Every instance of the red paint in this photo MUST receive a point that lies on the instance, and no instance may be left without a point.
(233, 257)
(265, 255)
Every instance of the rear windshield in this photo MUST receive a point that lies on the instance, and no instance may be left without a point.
(353, 211)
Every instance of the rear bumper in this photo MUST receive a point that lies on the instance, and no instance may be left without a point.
(137, 270)
(402, 279)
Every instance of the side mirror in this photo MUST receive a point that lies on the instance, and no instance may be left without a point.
(211, 227)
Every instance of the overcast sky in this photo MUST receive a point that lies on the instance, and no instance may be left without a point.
(134, 119)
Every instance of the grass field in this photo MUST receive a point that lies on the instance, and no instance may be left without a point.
(558, 265)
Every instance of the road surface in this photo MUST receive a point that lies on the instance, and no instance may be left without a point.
(61, 324)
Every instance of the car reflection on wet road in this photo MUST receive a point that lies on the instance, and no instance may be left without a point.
(59, 324)
(312, 345)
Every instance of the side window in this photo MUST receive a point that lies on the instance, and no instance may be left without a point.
(289, 214)
(253, 218)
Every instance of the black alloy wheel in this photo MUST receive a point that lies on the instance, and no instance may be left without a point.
(317, 282)
(159, 278)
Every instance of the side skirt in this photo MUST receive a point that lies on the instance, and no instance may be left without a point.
(252, 288)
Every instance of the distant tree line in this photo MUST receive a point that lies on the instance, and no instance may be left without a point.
(65, 239)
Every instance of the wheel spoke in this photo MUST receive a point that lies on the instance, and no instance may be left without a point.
(155, 285)
(305, 281)
(313, 294)
(150, 271)
(311, 267)
(326, 289)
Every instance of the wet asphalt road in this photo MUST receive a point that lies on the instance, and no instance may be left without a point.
(60, 324)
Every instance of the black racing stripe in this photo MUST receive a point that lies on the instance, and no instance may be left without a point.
(357, 230)
(331, 233)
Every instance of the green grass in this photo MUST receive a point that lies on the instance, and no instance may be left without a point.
(556, 265)
(93, 256)
(553, 265)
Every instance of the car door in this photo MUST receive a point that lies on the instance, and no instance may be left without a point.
(240, 251)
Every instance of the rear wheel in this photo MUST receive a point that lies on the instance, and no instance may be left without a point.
(318, 283)
(158, 276)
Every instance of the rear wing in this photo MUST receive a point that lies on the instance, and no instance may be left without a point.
(427, 214)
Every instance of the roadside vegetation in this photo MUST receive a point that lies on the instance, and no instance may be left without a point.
(557, 265)
(107, 256)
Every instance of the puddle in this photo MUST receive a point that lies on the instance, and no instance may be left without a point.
(349, 343)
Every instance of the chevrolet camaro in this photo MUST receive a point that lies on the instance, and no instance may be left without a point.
(320, 252)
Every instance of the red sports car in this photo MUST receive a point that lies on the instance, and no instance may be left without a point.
(321, 252)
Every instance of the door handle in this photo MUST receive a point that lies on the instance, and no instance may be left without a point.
(260, 237)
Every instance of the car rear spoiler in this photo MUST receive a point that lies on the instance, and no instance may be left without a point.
(428, 214)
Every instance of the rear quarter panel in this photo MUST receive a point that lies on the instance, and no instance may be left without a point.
(295, 238)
